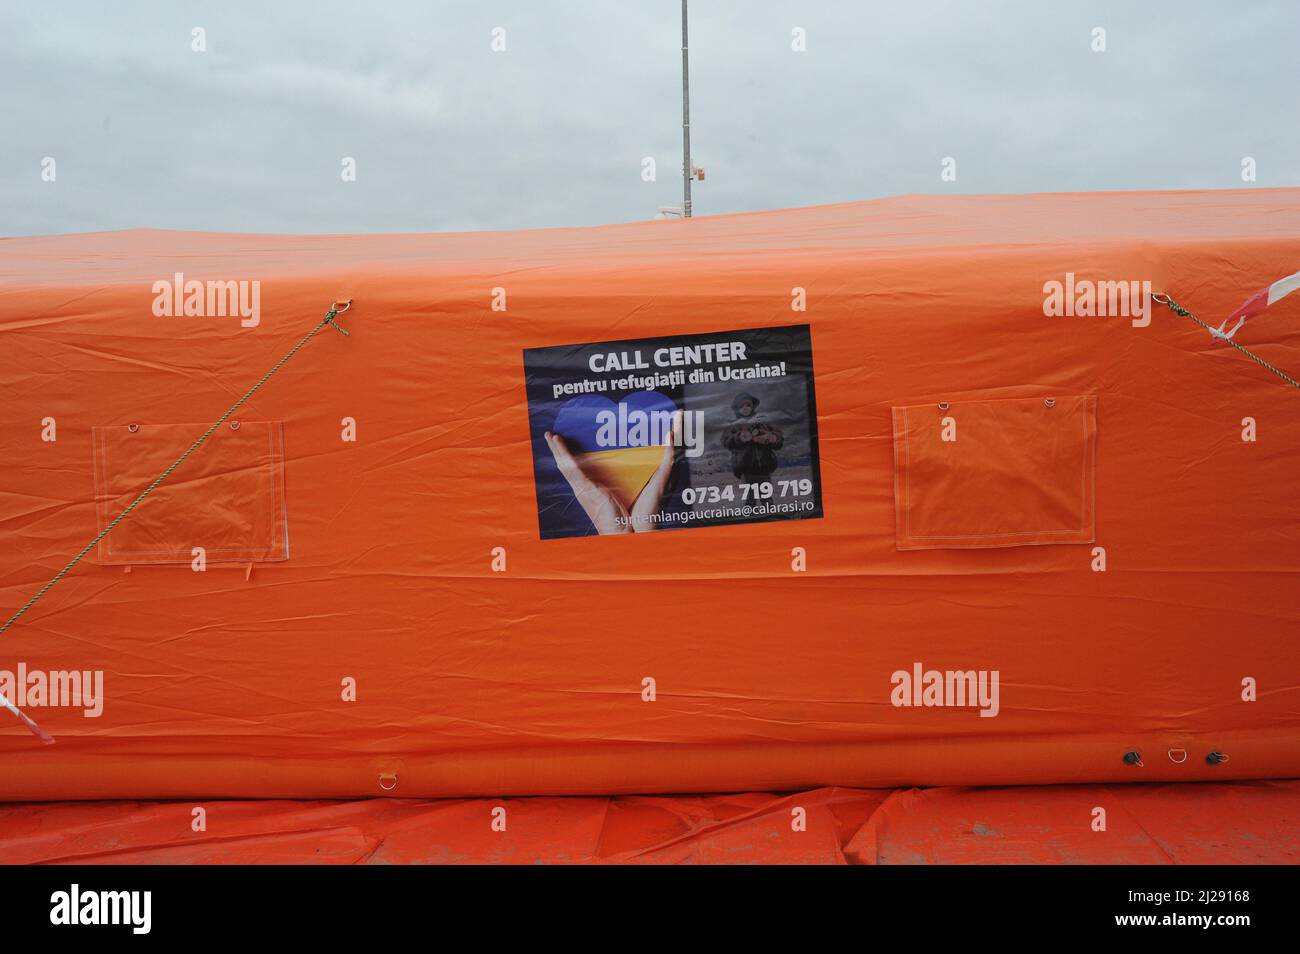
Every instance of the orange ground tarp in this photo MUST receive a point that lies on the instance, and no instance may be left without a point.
(1202, 824)
(497, 645)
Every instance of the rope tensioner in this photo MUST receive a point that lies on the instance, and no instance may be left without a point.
(336, 308)
(1218, 334)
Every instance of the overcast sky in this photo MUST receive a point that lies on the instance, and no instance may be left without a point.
(449, 135)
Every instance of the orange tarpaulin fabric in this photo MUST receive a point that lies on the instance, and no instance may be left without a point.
(1241, 823)
(452, 620)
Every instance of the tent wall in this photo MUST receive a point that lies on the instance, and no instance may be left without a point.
(470, 681)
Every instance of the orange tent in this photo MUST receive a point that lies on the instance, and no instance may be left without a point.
(1003, 541)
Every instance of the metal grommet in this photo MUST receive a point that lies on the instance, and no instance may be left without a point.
(1132, 758)
(944, 405)
(133, 428)
(234, 425)
(1176, 761)
(388, 781)
(1050, 402)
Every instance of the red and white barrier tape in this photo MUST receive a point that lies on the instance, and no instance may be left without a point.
(1255, 304)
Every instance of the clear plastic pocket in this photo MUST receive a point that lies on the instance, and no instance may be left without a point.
(1000, 473)
(227, 497)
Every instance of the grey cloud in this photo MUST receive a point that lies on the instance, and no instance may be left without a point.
(449, 135)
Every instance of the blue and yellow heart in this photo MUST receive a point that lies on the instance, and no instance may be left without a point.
(623, 462)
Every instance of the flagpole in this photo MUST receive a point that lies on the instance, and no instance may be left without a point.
(686, 121)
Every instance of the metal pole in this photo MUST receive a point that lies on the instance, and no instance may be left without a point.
(686, 121)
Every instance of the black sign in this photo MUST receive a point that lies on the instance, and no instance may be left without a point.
(672, 432)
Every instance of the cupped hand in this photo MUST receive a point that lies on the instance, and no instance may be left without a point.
(602, 506)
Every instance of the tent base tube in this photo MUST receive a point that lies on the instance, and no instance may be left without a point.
(63, 773)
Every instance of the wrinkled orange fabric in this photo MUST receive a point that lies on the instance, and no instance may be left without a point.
(473, 681)
(1220, 824)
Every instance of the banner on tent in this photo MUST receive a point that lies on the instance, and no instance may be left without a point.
(675, 431)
